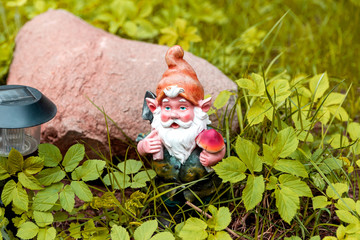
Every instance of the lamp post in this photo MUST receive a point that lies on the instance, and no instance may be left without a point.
(22, 111)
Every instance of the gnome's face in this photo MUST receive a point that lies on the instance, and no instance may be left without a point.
(176, 112)
(178, 122)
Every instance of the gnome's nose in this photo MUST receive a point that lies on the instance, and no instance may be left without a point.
(174, 115)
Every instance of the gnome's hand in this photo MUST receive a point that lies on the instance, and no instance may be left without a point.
(151, 144)
(208, 159)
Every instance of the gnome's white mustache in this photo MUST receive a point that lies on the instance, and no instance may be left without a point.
(178, 122)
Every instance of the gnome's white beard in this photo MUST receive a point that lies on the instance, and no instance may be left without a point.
(180, 142)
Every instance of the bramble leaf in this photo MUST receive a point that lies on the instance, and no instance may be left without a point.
(73, 157)
(50, 176)
(33, 165)
(247, 152)
(253, 192)
(120, 233)
(255, 84)
(142, 177)
(15, 193)
(27, 230)
(287, 203)
(299, 187)
(339, 188)
(346, 216)
(320, 202)
(67, 198)
(222, 235)
(163, 236)
(194, 229)
(318, 85)
(15, 161)
(222, 99)
(89, 170)
(130, 166)
(118, 180)
(293, 167)
(286, 142)
(43, 219)
(82, 190)
(230, 169)
(45, 199)
(50, 153)
(29, 182)
(146, 230)
(220, 218)
(47, 233)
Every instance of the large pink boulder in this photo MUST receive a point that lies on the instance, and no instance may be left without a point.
(72, 62)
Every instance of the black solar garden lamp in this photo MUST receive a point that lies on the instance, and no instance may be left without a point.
(22, 111)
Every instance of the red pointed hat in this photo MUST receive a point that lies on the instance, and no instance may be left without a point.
(181, 74)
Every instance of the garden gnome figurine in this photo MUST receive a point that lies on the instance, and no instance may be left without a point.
(182, 146)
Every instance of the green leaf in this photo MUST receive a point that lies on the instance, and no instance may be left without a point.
(67, 198)
(163, 236)
(45, 199)
(51, 154)
(339, 112)
(7, 192)
(299, 187)
(43, 219)
(334, 99)
(75, 230)
(130, 166)
(27, 230)
(3, 169)
(340, 189)
(230, 169)
(292, 238)
(253, 192)
(33, 165)
(29, 182)
(82, 190)
(286, 142)
(320, 202)
(73, 157)
(222, 99)
(357, 206)
(247, 152)
(318, 85)
(21, 198)
(293, 167)
(120, 233)
(46, 233)
(146, 230)
(341, 232)
(193, 229)
(353, 130)
(220, 236)
(142, 177)
(338, 140)
(89, 170)
(255, 84)
(15, 162)
(279, 90)
(117, 179)
(287, 202)
(220, 218)
(258, 111)
(346, 216)
(50, 176)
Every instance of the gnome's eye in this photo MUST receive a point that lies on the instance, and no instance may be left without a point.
(167, 108)
(183, 108)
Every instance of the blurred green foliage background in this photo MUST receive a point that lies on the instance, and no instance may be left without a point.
(239, 37)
